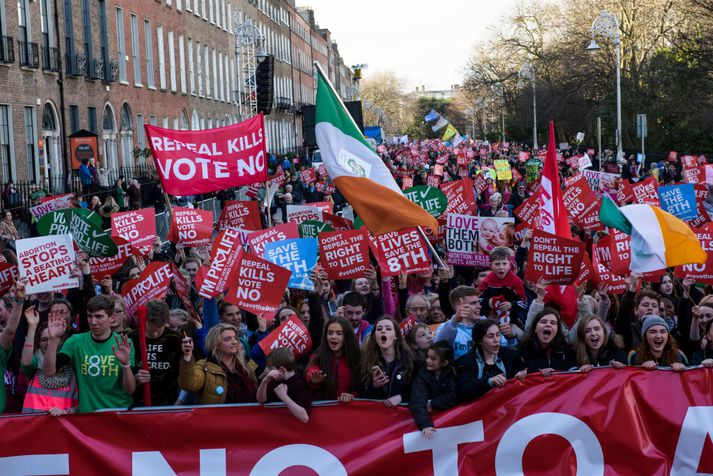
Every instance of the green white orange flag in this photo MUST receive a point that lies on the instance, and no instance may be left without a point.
(358, 172)
(659, 240)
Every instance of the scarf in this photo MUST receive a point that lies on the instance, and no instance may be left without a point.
(61, 379)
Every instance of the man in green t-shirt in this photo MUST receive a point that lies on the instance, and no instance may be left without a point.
(102, 359)
(10, 313)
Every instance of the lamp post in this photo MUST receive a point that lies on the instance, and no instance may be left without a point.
(528, 72)
(499, 91)
(249, 47)
(357, 68)
(607, 25)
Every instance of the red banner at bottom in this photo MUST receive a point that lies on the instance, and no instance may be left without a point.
(609, 422)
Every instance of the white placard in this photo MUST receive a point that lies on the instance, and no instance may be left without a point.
(47, 263)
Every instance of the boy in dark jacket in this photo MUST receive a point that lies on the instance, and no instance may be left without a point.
(434, 387)
(501, 292)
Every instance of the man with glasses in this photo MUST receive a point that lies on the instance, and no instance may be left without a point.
(101, 359)
(163, 353)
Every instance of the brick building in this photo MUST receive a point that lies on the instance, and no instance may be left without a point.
(110, 66)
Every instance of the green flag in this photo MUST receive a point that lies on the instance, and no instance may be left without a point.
(610, 215)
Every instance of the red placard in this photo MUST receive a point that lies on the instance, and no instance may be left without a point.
(438, 170)
(403, 251)
(523, 156)
(102, 267)
(702, 273)
(309, 175)
(586, 271)
(612, 283)
(689, 161)
(701, 196)
(151, 284)
(344, 254)
(553, 259)
(191, 226)
(460, 196)
(257, 286)
(291, 334)
(224, 256)
(646, 192)
(326, 207)
(406, 182)
(620, 252)
(529, 211)
(258, 239)
(602, 422)
(479, 183)
(195, 162)
(138, 227)
(322, 171)
(8, 275)
(337, 223)
(672, 156)
(432, 180)
(581, 203)
(240, 214)
(624, 192)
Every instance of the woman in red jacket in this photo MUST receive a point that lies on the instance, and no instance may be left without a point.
(333, 370)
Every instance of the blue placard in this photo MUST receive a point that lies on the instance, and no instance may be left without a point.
(679, 201)
(299, 255)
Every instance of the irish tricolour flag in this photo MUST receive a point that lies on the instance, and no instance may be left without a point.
(659, 240)
(358, 173)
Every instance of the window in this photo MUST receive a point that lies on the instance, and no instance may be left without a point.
(30, 144)
(217, 13)
(23, 31)
(73, 119)
(161, 58)
(206, 67)
(226, 80)
(199, 71)
(204, 10)
(69, 37)
(148, 34)
(233, 81)
(120, 44)
(142, 133)
(182, 63)
(211, 10)
(172, 60)
(153, 120)
(230, 19)
(191, 77)
(46, 22)
(164, 122)
(6, 145)
(216, 91)
(92, 117)
(189, 5)
(104, 42)
(225, 18)
(179, 5)
(87, 28)
(135, 54)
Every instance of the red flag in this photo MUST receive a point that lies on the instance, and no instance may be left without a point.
(553, 214)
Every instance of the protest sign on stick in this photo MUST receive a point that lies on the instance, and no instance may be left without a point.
(462, 241)
(224, 256)
(138, 227)
(56, 202)
(102, 267)
(291, 334)
(240, 214)
(431, 199)
(257, 285)
(153, 283)
(258, 239)
(301, 213)
(403, 251)
(47, 263)
(344, 254)
(679, 201)
(701, 273)
(460, 196)
(85, 227)
(553, 259)
(646, 192)
(297, 255)
(191, 227)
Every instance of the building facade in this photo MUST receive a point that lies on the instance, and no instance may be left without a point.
(111, 66)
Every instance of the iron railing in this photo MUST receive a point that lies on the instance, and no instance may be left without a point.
(7, 50)
(50, 59)
(29, 54)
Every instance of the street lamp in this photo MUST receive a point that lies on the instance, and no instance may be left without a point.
(357, 68)
(499, 91)
(528, 72)
(607, 25)
(248, 39)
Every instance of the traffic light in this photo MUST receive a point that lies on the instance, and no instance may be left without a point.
(264, 84)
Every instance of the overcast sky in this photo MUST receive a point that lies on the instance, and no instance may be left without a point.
(422, 41)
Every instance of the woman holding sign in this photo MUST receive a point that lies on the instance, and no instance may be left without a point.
(224, 376)
(386, 364)
(333, 371)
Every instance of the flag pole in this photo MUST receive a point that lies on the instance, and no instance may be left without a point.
(438, 259)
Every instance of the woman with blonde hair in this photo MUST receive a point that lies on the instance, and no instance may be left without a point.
(224, 376)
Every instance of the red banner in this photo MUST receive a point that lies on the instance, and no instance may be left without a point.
(581, 203)
(109, 266)
(702, 273)
(151, 284)
(403, 251)
(259, 239)
(191, 226)
(646, 192)
(257, 285)
(194, 162)
(553, 259)
(224, 256)
(138, 227)
(240, 214)
(344, 254)
(291, 334)
(614, 422)
(461, 198)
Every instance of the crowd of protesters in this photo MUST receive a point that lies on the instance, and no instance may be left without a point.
(471, 329)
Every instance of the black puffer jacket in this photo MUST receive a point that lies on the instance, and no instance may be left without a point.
(440, 391)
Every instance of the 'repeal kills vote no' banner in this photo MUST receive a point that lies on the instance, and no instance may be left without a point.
(192, 162)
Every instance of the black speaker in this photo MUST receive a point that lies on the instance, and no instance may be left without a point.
(264, 82)
(308, 121)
